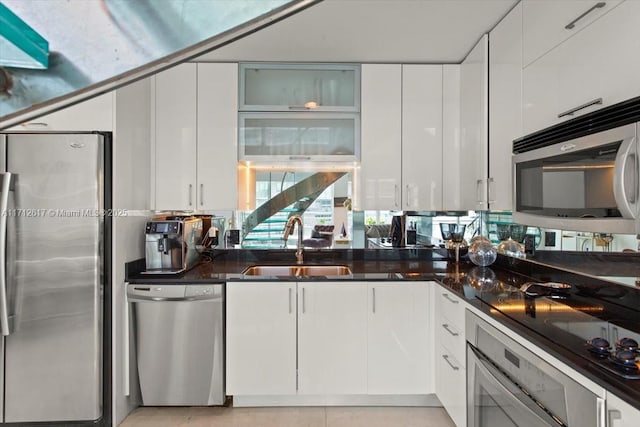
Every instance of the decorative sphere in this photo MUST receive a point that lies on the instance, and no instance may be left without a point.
(511, 248)
(482, 252)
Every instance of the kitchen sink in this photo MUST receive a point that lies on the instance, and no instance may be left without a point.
(298, 270)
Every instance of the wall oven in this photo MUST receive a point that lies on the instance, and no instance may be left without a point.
(589, 183)
(509, 386)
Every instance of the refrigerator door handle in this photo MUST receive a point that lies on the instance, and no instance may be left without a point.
(7, 186)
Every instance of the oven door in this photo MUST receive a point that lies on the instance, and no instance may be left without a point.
(494, 400)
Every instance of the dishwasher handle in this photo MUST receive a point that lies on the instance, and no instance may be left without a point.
(174, 292)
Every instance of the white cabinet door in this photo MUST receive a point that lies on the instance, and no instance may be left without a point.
(399, 331)
(332, 338)
(93, 114)
(544, 23)
(505, 106)
(217, 154)
(175, 144)
(422, 137)
(379, 181)
(473, 127)
(620, 413)
(451, 153)
(451, 387)
(261, 338)
(572, 77)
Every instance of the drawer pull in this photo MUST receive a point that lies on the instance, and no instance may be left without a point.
(572, 24)
(446, 358)
(449, 298)
(570, 112)
(446, 327)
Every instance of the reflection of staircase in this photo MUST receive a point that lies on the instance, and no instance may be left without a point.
(264, 227)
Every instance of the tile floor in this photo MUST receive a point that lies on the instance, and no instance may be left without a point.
(288, 417)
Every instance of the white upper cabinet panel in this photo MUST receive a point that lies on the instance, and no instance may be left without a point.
(422, 137)
(545, 22)
(473, 127)
(299, 87)
(451, 154)
(379, 180)
(505, 105)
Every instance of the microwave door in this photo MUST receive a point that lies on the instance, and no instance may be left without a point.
(625, 179)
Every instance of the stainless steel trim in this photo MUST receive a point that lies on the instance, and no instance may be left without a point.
(374, 299)
(190, 194)
(570, 112)
(303, 302)
(602, 412)
(4, 202)
(447, 297)
(572, 24)
(446, 359)
(507, 388)
(490, 181)
(201, 194)
(290, 304)
(446, 327)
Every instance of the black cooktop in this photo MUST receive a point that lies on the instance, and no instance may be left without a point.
(571, 318)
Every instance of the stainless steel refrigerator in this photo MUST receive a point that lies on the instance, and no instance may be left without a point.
(54, 276)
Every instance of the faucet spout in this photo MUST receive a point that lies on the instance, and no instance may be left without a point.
(288, 229)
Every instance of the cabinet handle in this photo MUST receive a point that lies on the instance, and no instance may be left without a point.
(373, 292)
(299, 157)
(407, 195)
(601, 412)
(395, 196)
(449, 298)
(201, 194)
(479, 195)
(190, 194)
(446, 358)
(613, 415)
(290, 305)
(303, 107)
(303, 304)
(570, 112)
(614, 334)
(446, 327)
(572, 24)
(34, 125)
(491, 183)
(604, 332)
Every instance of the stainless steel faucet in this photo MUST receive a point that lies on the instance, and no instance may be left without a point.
(288, 229)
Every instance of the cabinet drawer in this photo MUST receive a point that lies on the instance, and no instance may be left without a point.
(451, 385)
(544, 23)
(451, 307)
(451, 336)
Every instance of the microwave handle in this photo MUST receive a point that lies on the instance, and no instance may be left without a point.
(626, 198)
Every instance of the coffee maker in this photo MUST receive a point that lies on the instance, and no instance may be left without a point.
(170, 244)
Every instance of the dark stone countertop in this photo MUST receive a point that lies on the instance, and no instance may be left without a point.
(495, 291)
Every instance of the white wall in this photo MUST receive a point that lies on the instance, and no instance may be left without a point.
(131, 191)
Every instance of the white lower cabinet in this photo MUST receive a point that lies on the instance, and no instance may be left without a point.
(332, 338)
(261, 338)
(346, 342)
(450, 353)
(620, 413)
(398, 327)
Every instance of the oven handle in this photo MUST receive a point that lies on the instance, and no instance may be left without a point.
(625, 199)
(509, 389)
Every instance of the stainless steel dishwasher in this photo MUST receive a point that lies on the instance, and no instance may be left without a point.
(179, 343)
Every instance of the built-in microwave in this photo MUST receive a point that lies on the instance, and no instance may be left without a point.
(589, 183)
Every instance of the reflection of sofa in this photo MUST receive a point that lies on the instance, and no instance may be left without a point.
(321, 237)
(378, 230)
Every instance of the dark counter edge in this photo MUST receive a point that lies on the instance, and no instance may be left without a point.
(422, 260)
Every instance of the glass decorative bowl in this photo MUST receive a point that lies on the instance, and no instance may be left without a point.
(481, 252)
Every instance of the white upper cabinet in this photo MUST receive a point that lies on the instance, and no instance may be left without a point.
(380, 172)
(595, 68)
(175, 139)
(547, 23)
(474, 75)
(422, 137)
(505, 105)
(195, 131)
(451, 138)
(92, 114)
(217, 164)
(299, 87)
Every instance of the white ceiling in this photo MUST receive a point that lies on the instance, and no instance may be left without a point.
(437, 31)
